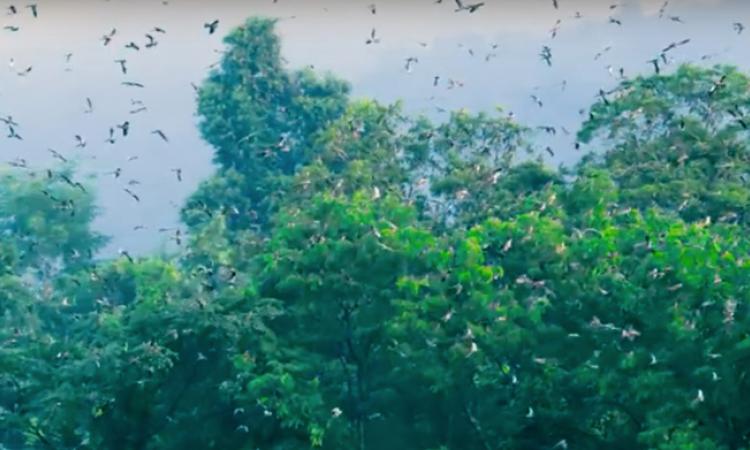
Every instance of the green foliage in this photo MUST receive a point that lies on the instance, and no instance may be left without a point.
(47, 220)
(261, 119)
(355, 278)
(678, 141)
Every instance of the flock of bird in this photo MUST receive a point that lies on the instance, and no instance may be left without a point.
(151, 40)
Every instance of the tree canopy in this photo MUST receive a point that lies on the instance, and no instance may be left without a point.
(358, 278)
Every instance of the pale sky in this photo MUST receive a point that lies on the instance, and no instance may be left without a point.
(49, 102)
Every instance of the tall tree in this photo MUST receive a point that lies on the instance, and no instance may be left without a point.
(261, 119)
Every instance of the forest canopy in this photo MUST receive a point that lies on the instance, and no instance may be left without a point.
(354, 277)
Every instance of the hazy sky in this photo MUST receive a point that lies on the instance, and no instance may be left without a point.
(49, 102)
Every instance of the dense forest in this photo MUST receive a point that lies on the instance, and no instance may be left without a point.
(356, 278)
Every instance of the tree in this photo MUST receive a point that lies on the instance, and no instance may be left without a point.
(47, 216)
(358, 278)
(677, 141)
(261, 119)
(333, 266)
(45, 224)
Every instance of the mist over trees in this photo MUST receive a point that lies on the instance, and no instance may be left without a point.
(356, 278)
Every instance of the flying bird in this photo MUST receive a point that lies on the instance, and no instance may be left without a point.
(373, 39)
(34, 9)
(107, 38)
(123, 67)
(125, 254)
(548, 129)
(151, 41)
(663, 9)
(555, 29)
(601, 53)
(132, 194)
(13, 134)
(57, 155)
(9, 121)
(111, 138)
(472, 8)
(546, 55)
(161, 135)
(410, 61)
(674, 45)
(25, 72)
(125, 128)
(75, 184)
(655, 63)
(211, 26)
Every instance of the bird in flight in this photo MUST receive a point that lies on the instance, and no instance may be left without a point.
(9, 121)
(472, 8)
(57, 155)
(80, 141)
(373, 39)
(111, 138)
(546, 55)
(25, 72)
(674, 45)
(663, 9)
(132, 194)
(151, 41)
(123, 66)
(655, 63)
(125, 128)
(211, 26)
(161, 135)
(34, 9)
(410, 61)
(107, 38)
(13, 134)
